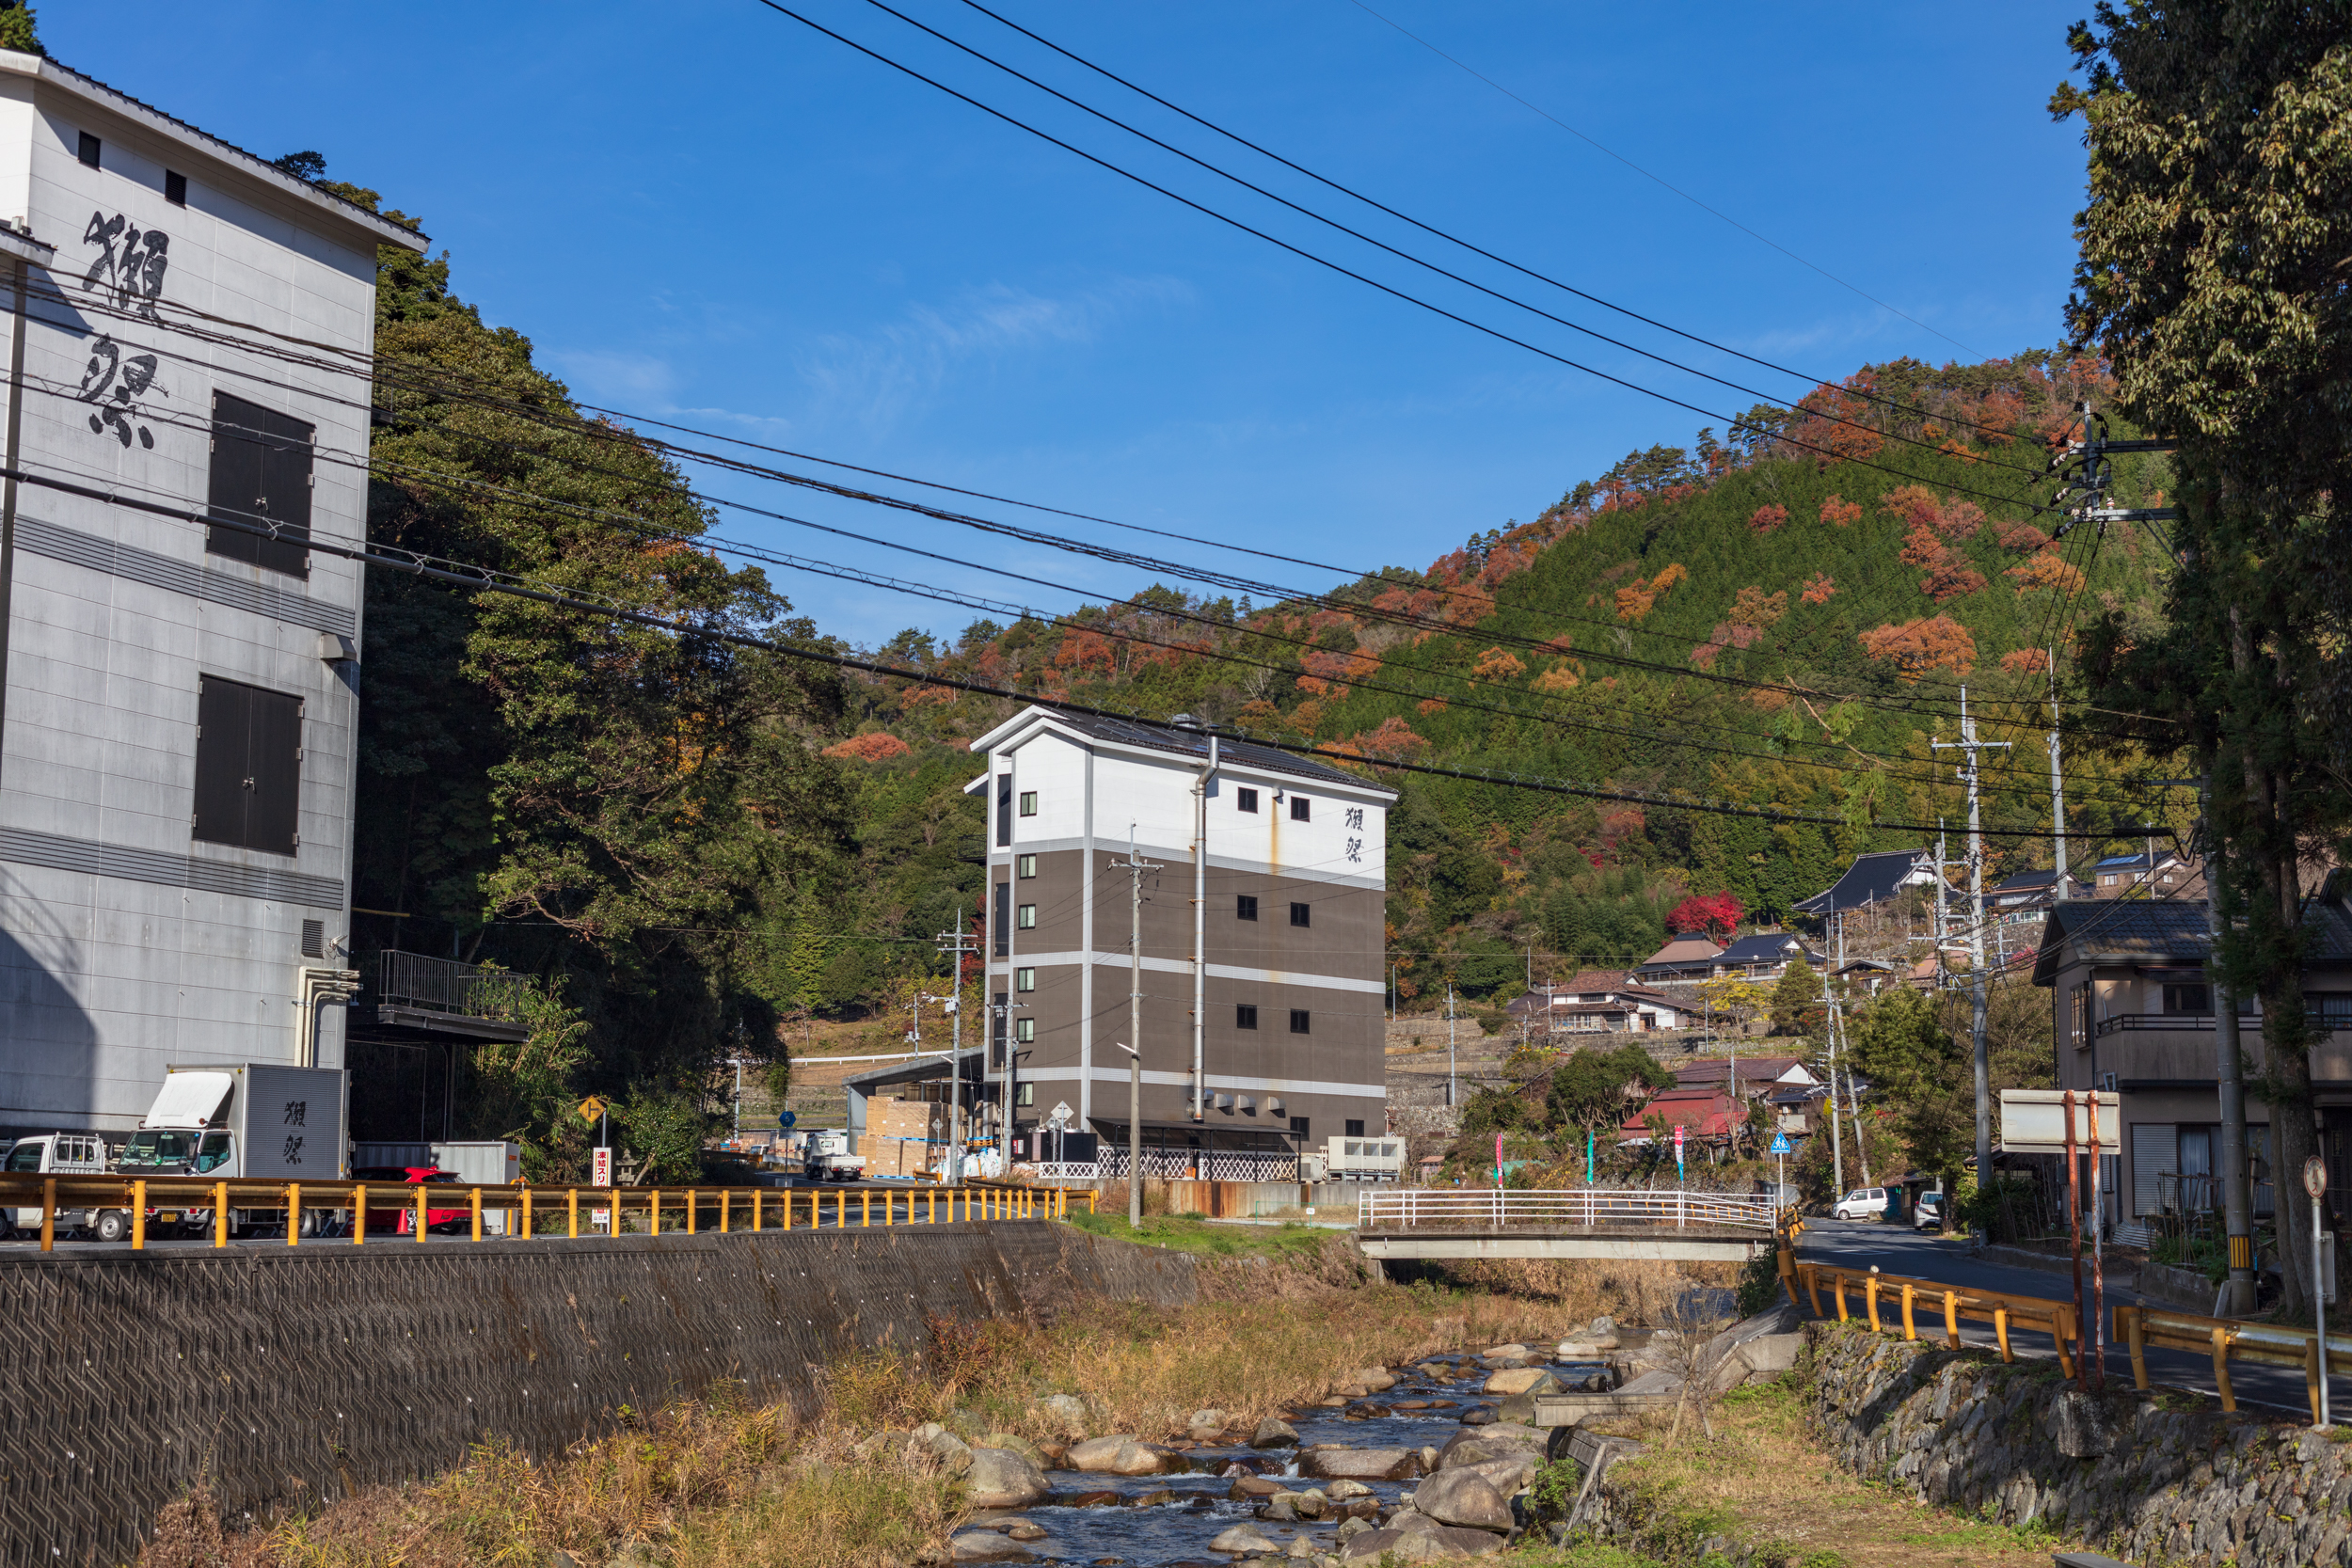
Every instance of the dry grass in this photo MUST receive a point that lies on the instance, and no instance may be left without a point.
(716, 1481)
(1761, 1479)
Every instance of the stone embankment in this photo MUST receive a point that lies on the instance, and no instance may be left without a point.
(2152, 1480)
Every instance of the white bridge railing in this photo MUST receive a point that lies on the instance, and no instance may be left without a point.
(1396, 1208)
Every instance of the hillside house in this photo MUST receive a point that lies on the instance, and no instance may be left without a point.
(2029, 895)
(1765, 956)
(1598, 1001)
(1707, 1116)
(1756, 1074)
(2132, 1009)
(1684, 962)
(2157, 874)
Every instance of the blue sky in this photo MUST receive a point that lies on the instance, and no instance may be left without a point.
(703, 211)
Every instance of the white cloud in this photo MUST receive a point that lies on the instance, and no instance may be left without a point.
(602, 376)
(877, 379)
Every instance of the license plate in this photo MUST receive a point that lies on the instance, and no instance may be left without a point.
(168, 1216)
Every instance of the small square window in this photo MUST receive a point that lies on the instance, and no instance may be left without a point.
(1025, 1030)
(1028, 802)
(175, 188)
(1246, 799)
(1302, 914)
(1025, 979)
(1024, 866)
(1026, 918)
(1300, 808)
(1355, 1130)
(1298, 1127)
(1027, 1095)
(1298, 1020)
(88, 150)
(1244, 1015)
(1244, 906)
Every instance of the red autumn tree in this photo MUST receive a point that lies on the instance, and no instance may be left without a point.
(1951, 577)
(1915, 647)
(2045, 570)
(2025, 661)
(1922, 546)
(1832, 424)
(1709, 913)
(1819, 589)
(1767, 518)
(1841, 513)
(881, 746)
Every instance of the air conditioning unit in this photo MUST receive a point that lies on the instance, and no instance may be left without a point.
(1224, 1101)
(1274, 1105)
(1246, 1106)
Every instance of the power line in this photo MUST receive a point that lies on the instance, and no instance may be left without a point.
(1656, 180)
(1357, 234)
(1431, 229)
(1496, 332)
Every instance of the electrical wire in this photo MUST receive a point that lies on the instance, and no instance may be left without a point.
(1357, 234)
(1496, 332)
(482, 579)
(1655, 179)
(1455, 239)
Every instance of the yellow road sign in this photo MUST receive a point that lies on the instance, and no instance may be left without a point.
(590, 1109)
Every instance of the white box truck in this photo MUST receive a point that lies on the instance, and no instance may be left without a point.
(256, 1122)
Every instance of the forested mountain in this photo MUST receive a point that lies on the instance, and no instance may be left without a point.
(691, 843)
(1784, 621)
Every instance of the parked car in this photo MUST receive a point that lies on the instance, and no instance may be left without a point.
(403, 1220)
(1863, 1203)
(1930, 1211)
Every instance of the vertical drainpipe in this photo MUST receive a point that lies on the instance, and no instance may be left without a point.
(1200, 929)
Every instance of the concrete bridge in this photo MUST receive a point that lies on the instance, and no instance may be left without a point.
(1413, 1223)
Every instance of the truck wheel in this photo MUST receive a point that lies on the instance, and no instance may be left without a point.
(313, 1222)
(112, 1224)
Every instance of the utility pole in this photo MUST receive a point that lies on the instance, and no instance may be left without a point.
(1969, 745)
(2237, 1198)
(1134, 865)
(1452, 1095)
(2058, 791)
(953, 945)
(1836, 1138)
(1199, 923)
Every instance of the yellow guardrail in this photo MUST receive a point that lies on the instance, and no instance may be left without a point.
(536, 1211)
(2224, 1340)
(2003, 1311)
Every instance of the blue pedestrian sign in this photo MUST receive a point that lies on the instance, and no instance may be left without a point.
(1780, 1144)
(785, 1119)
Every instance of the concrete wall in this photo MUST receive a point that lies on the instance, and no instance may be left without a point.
(288, 1376)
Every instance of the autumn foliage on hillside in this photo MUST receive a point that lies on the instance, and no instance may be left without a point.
(1915, 647)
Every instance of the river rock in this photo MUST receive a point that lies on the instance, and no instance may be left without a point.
(1496, 1353)
(1351, 1528)
(1522, 1405)
(1604, 1326)
(1255, 1486)
(999, 1478)
(1206, 1425)
(1015, 1441)
(1095, 1499)
(1064, 1413)
(1374, 1378)
(1116, 1455)
(1492, 1443)
(986, 1545)
(953, 1453)
(1420, 1539)
(1272, 1433)
(1361, 1464)
(1342, 1489)
(1479, 1415)
(1464, 1498)
(1517, 1379)
(1240, 1538)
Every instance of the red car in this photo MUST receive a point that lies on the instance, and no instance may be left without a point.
(403, 1221)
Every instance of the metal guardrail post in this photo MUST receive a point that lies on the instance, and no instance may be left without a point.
(220, 1213)
(572, 1196)
(420, 1213)
(528, 1230)
(358, 1215)
(477, 1213)
(138, 1216)
(49, 1214)
(293, 1213)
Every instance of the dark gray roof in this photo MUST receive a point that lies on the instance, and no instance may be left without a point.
(1195, 743)
(1764, 947)
(1870, 879)
(2128, 931)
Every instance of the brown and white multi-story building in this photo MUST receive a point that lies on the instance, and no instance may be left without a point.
(1265, 916)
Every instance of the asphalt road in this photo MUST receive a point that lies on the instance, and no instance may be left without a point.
(1899, 1250)
(851, 1205)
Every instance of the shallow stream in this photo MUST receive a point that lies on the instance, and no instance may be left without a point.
(1168, 1520)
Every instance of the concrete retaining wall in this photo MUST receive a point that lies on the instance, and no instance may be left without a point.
(291, 1375)
(2138, 1480)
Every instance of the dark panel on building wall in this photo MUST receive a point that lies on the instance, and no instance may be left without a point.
(260, 474)
(248, 765)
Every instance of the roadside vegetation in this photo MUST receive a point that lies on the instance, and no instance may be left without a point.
(1193, 1233)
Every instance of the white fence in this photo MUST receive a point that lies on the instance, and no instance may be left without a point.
(1395, 1208)
(1205, 1165)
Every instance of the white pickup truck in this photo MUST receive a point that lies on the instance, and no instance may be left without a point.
(62, 1154)
(825, 1156)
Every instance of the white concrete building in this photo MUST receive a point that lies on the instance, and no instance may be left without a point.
(177, 702)
(1292, 928)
